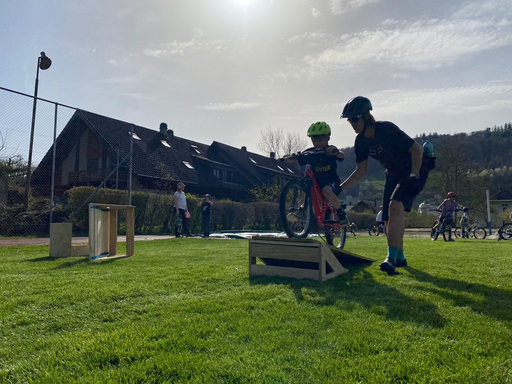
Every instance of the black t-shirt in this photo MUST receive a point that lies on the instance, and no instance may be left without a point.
(323, 166)
(390, 147)
(205, 208)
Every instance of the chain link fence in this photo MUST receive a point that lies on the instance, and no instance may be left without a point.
(33, 197)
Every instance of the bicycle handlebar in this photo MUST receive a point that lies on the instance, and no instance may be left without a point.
(310, 152)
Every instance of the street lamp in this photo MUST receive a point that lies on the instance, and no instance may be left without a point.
(43, 62)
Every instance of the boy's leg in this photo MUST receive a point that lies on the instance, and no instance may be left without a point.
(329, 193)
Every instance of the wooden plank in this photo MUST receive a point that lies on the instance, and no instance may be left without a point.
(296, 273)
(314, 244)
(286, 252)
(286, 239)
(80, 250)
(111, 257)
(60, 239)
(112, 229)
(333, 262)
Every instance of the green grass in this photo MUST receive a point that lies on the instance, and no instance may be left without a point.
(185, 310)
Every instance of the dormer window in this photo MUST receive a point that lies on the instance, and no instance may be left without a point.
(254, 161)
(281, 168)
(187, 164)
(134, 135)
(194, 147)
(165, 143)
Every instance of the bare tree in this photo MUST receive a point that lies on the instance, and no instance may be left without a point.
(275, 140)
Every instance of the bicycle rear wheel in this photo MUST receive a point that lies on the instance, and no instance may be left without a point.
(373, 231)
(447, 229)
(480, 233)
(336, 238)
(434, 233)
(457, 232)
(505, 231)
(295, 210)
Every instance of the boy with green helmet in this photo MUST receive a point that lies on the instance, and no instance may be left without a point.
(324, 165)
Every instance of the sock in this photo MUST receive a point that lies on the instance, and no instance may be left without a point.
(400, 255)
(392, 254)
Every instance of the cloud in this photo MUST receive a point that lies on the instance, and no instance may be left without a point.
(315, 12)
(197, 43)
(452, 100)
(229, 107)
(344, 6)
(419, 45)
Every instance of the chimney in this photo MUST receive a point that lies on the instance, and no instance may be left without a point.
(163, 128)
(244, 148)
(170, 133)
(273, 155)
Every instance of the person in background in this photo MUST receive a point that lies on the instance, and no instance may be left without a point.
(180, 205)
(206, 205)
(378, 219)
(447, 209)
(464, 225)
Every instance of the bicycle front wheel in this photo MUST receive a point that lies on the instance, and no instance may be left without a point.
(336, 238)
(447, 229)
(457, 232)
(295, 210)
(505, 231)
(480, 233)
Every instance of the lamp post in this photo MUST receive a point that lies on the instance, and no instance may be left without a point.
(43, 62)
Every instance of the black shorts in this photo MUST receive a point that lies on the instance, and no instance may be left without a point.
(402, 189)
(333, 183)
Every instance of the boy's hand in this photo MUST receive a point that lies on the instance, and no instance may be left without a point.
(331, 150)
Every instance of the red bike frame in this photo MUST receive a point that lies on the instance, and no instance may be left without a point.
(320, 205)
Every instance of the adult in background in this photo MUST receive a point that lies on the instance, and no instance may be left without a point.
(206, 205)
(401, 157)
(378, 218)
(180, 205)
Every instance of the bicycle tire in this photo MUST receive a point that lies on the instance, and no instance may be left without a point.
(337, 240)
(295, 210)
(479, 233)
(434, 233)
(447, 229)
(457, 232)
(505, 232)
(373, 231)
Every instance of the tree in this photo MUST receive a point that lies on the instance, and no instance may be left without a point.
(275, 140)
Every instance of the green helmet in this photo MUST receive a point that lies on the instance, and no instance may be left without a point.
(319, 128)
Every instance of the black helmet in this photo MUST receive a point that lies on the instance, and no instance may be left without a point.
(356, 106)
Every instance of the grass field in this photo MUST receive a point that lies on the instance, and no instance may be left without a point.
(185, 310)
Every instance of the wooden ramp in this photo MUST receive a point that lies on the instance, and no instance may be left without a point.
(298, 258)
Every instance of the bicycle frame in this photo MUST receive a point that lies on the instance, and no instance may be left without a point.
(321, 207)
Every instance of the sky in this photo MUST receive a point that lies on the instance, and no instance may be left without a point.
(225, 70)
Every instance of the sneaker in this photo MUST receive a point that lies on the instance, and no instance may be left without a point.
(401, 263)
(451, 240)
(342, 217)
(388, 267)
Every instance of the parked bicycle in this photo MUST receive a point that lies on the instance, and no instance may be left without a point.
(473, 231)
(444, 227)
(376, 229)
(302, 205)
(505, 231)
(351, 228)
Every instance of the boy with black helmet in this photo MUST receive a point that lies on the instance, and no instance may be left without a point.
(402, 158)
(324, 166)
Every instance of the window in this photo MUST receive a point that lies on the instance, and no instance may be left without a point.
(134, 136)
(187, 164)
(254, 161)
(165, 143)
(223, 175)
(194, 147)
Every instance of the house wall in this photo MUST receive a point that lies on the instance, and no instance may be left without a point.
(68, 165)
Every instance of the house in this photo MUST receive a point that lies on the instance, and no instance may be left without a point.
(501, 202)
(364, 206)
(90, 147)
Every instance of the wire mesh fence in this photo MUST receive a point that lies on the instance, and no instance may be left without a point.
(65, 154)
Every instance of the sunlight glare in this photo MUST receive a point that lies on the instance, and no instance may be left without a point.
(243, 2)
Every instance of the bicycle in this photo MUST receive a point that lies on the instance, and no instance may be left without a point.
(505, 231)
(473, 231)
(376, 229)
(444, 227)
(351, 228)
(302, 205)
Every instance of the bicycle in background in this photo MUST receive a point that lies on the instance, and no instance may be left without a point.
(302, 206)
(473, 231)
(443, 226)
(505, 231)
(376, 229)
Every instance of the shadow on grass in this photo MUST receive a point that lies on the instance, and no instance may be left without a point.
(70, 264)
(359, 288)
(46, 258)
(493, 302)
